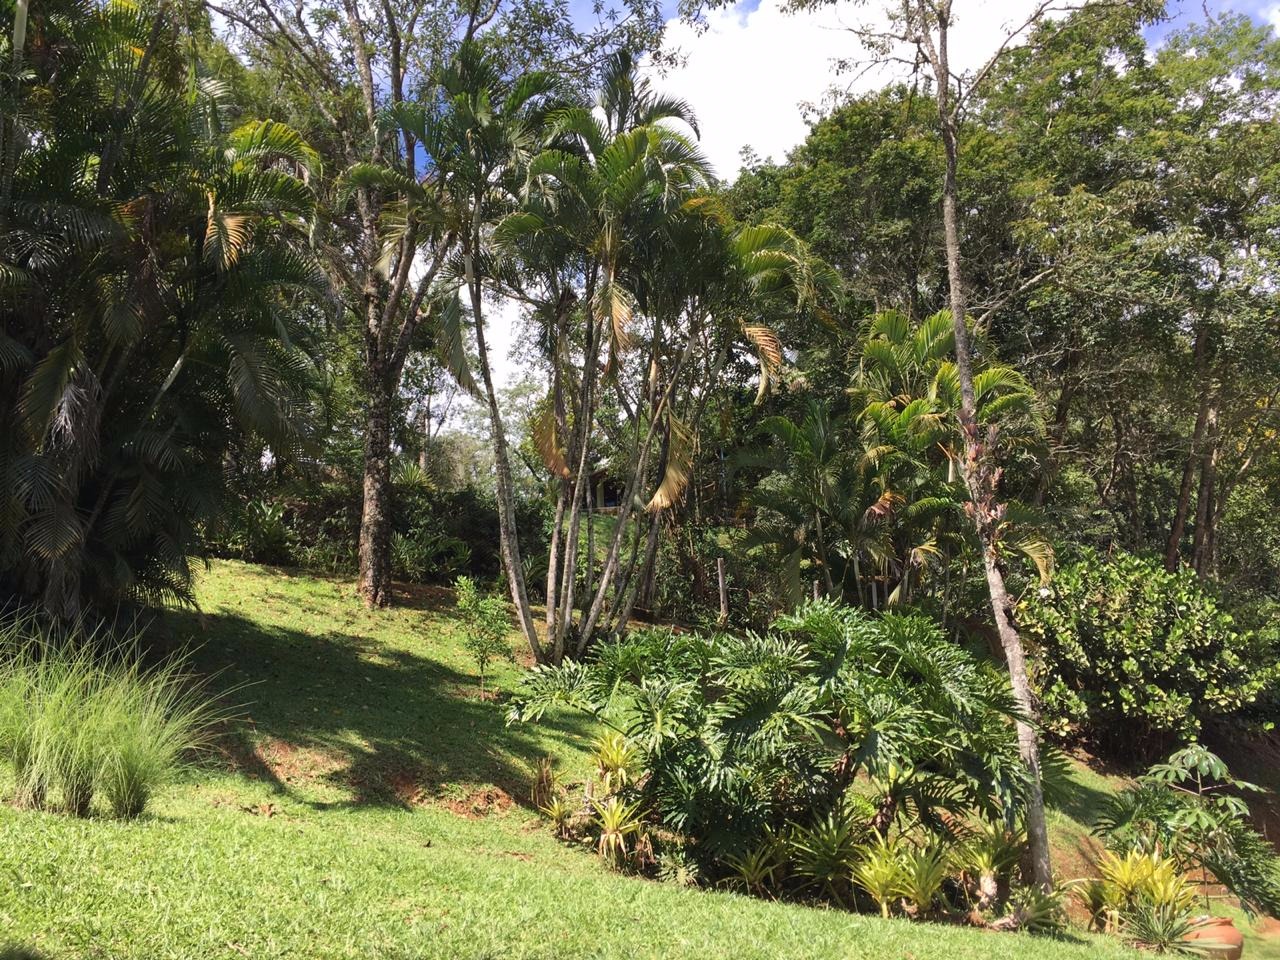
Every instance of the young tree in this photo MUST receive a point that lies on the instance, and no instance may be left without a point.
(923, 26)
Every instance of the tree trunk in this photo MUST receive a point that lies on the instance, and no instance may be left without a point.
(1205, 496)
(375, 517)
(508, 535)
(1173, 546)
(724, 593)
(982, 476)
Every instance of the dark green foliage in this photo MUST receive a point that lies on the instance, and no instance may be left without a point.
(747, 739)
(145, 267)
(1134, 657)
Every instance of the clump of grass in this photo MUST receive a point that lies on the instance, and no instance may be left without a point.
(81, 716)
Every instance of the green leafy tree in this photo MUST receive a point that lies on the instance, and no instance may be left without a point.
(487, 625)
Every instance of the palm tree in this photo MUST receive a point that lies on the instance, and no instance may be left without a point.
(606, 182)
(145, 312)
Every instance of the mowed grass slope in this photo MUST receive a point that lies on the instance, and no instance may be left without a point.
(368, 804)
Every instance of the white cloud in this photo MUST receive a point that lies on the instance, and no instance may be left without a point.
(748, 72)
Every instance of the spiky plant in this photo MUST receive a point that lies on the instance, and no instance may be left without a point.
(824, 854)
(561, 814)
(615, 758)
(756, 871)
(1035, 911)
(1163, 928)
(880, 873)
(618, 823)
(988, 856)
(546, 782)
(924, 870)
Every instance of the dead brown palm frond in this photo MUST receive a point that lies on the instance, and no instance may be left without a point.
(617, 304)
(679, 467)
(883, 507)
(225, 235)
(547, 441)
(769, 350)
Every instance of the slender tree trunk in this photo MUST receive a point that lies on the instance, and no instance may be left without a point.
(724, 593)
(1205, 496)
(1173, 546)
(375, 517)
(508, 534)
(629, 587)
(982, 476)
(611, 563)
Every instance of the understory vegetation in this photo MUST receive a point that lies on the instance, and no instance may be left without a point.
(365, 800)
(82, 717)
(817, 528)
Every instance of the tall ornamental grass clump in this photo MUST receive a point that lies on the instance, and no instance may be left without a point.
(82, 717)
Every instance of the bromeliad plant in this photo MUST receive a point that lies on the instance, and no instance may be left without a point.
(1189, 810)
(753, 751)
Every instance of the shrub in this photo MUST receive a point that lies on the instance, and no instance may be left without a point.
(756, 750)
(425, 553)
(80, 716)
(617, 823)
(1134, 657)
(487, 624)
(1035, 911)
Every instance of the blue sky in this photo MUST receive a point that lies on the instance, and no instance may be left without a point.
(1184, 12)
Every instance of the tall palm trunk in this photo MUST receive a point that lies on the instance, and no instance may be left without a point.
(508, 535)
(981, 474)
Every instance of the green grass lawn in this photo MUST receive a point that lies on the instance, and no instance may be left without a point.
(369, 804)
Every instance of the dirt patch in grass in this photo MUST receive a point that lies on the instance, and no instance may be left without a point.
(406, 785)
(276, 760)
(290, 763)
(480, 803)
(423, 596)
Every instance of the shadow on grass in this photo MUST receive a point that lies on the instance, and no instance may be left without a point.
(390, 726)
(1082, 802)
